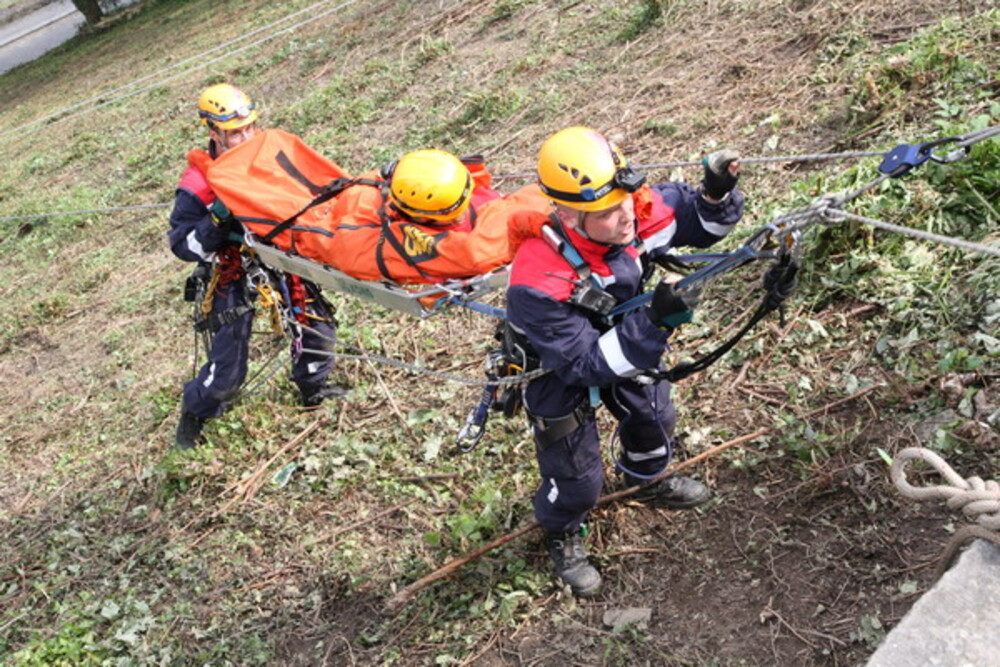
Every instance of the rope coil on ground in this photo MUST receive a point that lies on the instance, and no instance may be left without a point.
(979, 500)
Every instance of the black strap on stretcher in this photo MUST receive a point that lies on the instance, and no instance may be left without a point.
(326, 193)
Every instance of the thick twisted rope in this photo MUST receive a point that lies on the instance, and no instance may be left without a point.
(979, 500)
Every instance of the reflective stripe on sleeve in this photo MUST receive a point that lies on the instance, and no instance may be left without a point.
(194, 245)
(715, 228)
(611, 348)
(661, 238)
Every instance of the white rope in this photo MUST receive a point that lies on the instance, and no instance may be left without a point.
(978, 500)
(176, 65)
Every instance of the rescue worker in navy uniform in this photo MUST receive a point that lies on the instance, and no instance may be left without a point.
(198, 235)
(616, 224)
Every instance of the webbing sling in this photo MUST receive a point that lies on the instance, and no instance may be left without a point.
(216, 321)
(326, 193)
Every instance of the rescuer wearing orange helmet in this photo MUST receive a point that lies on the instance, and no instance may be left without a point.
(606, 227)
(202, 231)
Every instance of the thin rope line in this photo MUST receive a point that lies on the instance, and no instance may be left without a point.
(110, 209)
(402, 365)
(916, 233)
(176, 65)
(197, 67)
(809, 157)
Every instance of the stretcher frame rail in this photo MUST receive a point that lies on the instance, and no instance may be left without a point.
(420, 300)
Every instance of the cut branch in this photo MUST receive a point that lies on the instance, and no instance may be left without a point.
(404, 596)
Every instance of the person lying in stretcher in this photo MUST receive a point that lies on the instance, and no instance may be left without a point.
(425, 218)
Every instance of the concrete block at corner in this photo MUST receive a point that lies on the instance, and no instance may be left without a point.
(956, 623)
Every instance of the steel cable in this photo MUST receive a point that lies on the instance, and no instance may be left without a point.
(176, 65)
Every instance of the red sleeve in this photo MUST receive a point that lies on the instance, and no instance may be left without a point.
(193, 181)
(539, 266)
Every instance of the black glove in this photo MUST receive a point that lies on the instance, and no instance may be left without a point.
(780, 281)
(669, 308)
(221, 214)
(718, 181)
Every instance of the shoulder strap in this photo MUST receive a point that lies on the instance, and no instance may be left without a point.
(589, 294)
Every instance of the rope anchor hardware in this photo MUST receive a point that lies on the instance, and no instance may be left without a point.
(904, 157)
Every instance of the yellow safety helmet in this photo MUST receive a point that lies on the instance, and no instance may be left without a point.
(430, 183)
(226, 107)
(579, 168)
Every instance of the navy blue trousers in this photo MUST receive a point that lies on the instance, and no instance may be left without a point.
(226, 368)
(571, 468)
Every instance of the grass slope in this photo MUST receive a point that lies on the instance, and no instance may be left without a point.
(120, 551)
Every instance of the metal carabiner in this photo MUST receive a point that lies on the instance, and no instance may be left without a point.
(953, 156)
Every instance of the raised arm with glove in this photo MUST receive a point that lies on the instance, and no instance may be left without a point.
(722, 173)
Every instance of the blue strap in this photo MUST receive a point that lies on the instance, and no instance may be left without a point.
(595, 397)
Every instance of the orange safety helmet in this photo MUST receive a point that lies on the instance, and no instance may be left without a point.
(579, 168)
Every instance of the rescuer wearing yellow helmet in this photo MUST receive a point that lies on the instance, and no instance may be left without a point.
(607, 225)
(201, 231)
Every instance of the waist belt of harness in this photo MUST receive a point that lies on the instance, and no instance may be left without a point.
(216, 321)
(549, 431)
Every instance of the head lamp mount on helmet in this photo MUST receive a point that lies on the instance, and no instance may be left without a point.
(240, 112)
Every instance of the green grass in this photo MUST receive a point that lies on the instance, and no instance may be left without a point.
(122, 552)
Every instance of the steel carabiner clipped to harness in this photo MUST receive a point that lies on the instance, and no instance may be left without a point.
(475, 422)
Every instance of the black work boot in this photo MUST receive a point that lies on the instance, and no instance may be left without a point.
(676, 492)
(569, 560)
(312, 398)
(188, 431)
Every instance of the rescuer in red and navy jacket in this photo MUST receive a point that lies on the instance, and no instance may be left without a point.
(196, 235)
(605, 228)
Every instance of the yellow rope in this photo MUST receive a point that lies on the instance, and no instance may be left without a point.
(209, 298)
(270, 301)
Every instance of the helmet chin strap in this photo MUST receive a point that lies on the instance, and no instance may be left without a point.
(580, 217)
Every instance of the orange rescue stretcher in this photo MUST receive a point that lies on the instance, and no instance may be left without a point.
(352, 242)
